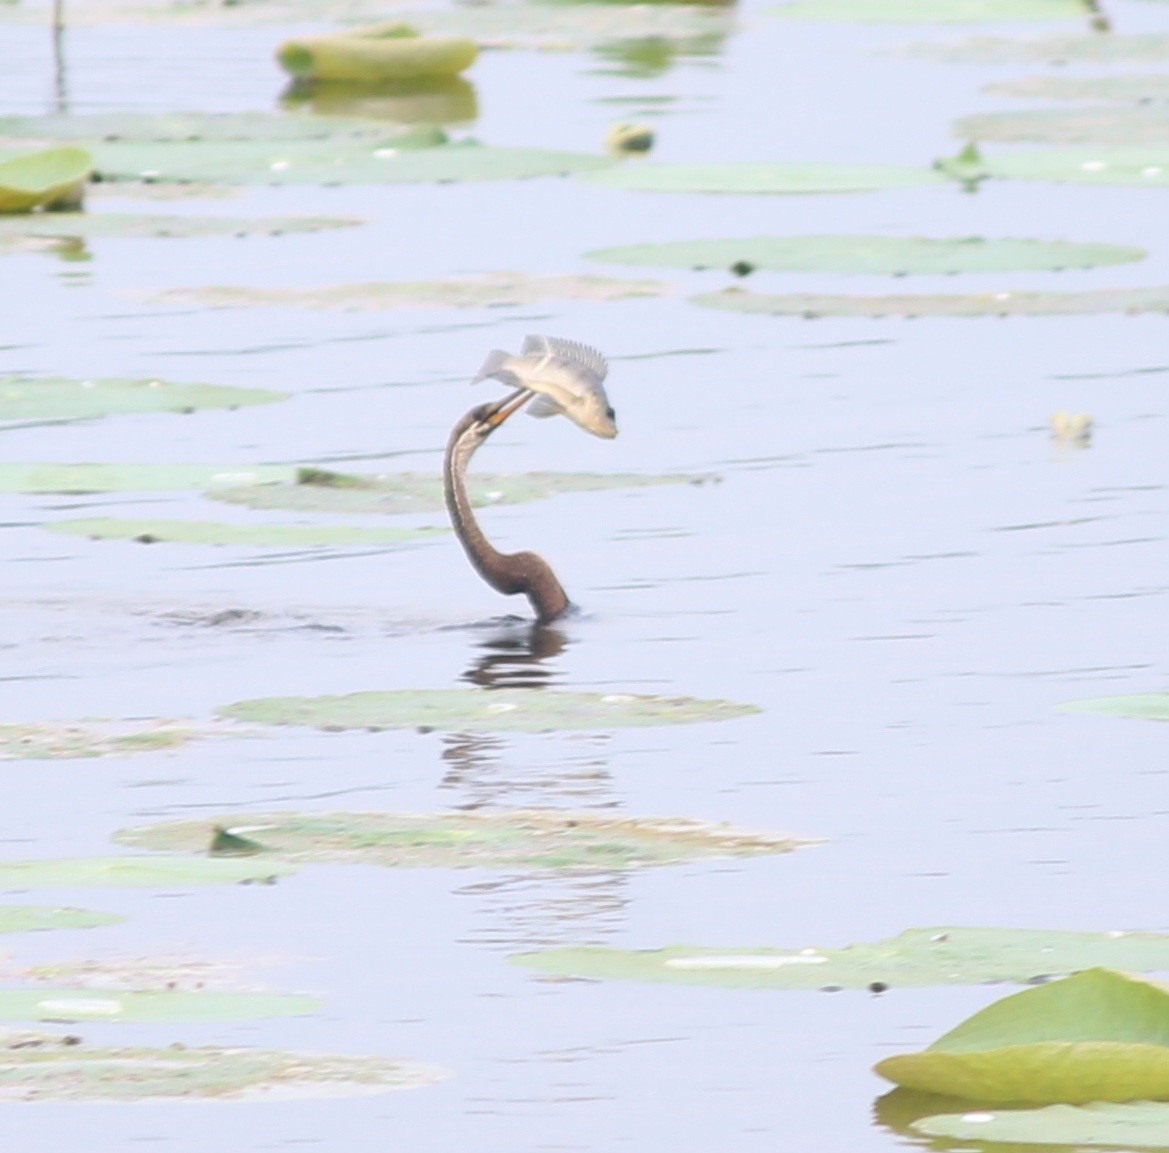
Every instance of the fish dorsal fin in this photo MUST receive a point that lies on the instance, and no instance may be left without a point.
(582, 354)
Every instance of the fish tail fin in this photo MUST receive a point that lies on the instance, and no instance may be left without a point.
(496, 367)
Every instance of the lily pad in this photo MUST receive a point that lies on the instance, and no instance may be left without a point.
(137, 872)
(494, 291)
(56, 398)
(34, 918)
(382, 52)
(410, 492)
(83, 1004)
(86, 478)
(91, 738)
(1143, 167)
(473, 710)
(46, 1072)
(1054, 50)
(510, 840)
(810, 305)
(1096, 1036)
(1138, 1124)
(43, 178)
(734, 179)
(1126, 89)
(872, 255)
(917, 958)
(1118, 127)
(933, 11)
(200, 532)
(1143, 706)
(139, 974)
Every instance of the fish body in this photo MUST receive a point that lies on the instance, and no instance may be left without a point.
(568, 377)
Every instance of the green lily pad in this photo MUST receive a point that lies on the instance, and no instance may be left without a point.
(137, 872)
(82, 1004)
(1109, 49)
(92, 738)
(86, 478)
(917, 958)
(1119, 127)
(43, 178)
(872, 255)
(381, 52)
(409, 492)
(1096, 1036)
(810, 305)
(493, 291)
(473, 710)
(191, 127)
(199, 532)
(1144, 167)
(511, 840)
(1122, 89)
(1144, 706)
(759, 179)
(140, 974)
(51, 1071)
(34, 918)
(933, 11)
(1138, 1124)
(56, 398)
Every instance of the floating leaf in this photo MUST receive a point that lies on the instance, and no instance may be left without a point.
(1123, 89)
(968, 167)
(34, 918)
(191, 127)
(1146, 167)
(138, 974)
(1097, 1036)
(933, 11)
(872, 255)
(1144, 706)
(137, 872)
(1141, 1124)
(1056, 50)
(82, 1004)
(493, 291)
(915, 959)
(443, 100)
(86, 478)
(200, 532)
(473, 710)
(509, 840)
(809, 305)
(408, 492)
(55, 398)
(55, 176)
(760, 179)
(42, 1071)
(382, 52)
(92, 738)
(1119, 127)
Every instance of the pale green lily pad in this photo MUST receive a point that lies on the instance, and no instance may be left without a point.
(56, 398)
(1137, 1124)
(188, 127)
(35, 918)
(871, 255)
(1153, 89)
(737, 179)
(83, 1004)
(918, 958)
(86, 478)
(1137, 167)
(47, 1072)
(1109, 49)
(57, 175)
(1097, 1036)
(473, 710)
(377, 53)
(541, 839)
(502, 289)
(1143, 706)
(810, 305)
(408, 492)
(137, 872)
(1117, 127)
(933, 11)
(141, 974)
(61, 740)
(199, 532)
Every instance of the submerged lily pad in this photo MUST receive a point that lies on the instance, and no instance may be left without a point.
(510, 840)
(1143, 706)
(55, 176)
(84, 1004)
(1054, 50)
(872, 255)
(1119, 127)
(1138, 1124)
(85, 478)
(410, 492)
(200, 532)
(473, 710)
(1144, 167)
(75, 1073)
(56, 398)
(917, 958)
(1096, 1036)
(62, 740)
(137, 872)
(494, 291)
(735, 179)
(933, 11)
(34, 918)
(1123, 89)
(810, 305)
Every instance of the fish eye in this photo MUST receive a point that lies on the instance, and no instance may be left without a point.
(610, 414)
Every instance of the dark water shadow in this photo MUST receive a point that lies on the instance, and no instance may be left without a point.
(513, 658)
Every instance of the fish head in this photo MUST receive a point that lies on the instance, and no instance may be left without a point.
(594, 413)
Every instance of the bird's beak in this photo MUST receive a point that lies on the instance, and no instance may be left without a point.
(507, 407)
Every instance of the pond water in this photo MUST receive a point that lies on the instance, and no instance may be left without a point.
(899, 568)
